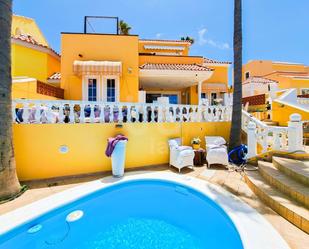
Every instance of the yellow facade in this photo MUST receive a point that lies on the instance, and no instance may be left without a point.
(36, 61)
(100, 47)
(38, 156)
(288, 75)
(27, 89)
(26, 25)
(281, 113)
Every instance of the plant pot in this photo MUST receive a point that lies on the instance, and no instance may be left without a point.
(196, 146)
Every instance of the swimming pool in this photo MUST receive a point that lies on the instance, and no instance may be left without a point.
(137, 212)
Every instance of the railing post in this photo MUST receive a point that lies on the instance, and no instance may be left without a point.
(295, 133)
(251, 140)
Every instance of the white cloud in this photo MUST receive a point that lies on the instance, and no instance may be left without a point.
(158, 35)
(202, 40)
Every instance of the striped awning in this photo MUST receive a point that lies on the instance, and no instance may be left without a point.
(165, 47)
(97, 67)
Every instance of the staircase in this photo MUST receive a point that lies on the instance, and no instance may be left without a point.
(283, 184)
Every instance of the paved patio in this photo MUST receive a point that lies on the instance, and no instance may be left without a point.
(228, 179)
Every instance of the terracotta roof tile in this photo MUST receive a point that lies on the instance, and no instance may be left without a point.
(261, 80)
(55, 76)
(212, 61)
(31, 40)
(184, 67)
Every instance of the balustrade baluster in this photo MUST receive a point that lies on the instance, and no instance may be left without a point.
(82, 113)
(37, 115)
(92, 115)
(120, 115)
(71, 115)
(61, 113)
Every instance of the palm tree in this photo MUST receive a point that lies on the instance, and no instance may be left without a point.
(235, 133)
(9, 185)
(124, 28)
(188, 38)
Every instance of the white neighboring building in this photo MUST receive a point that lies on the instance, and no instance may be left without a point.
(258, 85)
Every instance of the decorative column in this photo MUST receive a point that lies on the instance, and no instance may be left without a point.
(251, 140)
(199, 92)
(295, 133)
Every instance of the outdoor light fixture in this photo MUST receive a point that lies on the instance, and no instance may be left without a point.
(129, 69)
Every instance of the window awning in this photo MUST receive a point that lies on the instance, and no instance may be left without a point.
(161, 47)
(97, 67)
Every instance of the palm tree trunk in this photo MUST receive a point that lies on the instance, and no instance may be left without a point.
(235, 133)
(9, 185)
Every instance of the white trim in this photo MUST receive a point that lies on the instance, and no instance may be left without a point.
(23, 79)
(36, 47)
(254, 230)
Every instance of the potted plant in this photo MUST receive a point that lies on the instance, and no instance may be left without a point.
(196, 143)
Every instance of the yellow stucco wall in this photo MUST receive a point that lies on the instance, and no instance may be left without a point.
(38, 156)
(281, 113)
(28, 90)
(279, 72)
(26, 25)
(170, 59)
(33, 63)
(101, 48)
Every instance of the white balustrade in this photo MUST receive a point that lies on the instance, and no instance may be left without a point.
(62, 111)
(273, 137)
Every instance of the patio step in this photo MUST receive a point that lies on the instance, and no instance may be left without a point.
(284, 183)
(281, 203)
(298, 170)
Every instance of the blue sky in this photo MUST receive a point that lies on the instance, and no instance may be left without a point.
(273, 29)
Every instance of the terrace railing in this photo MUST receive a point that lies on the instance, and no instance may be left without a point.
(63, 111)
(272, 137)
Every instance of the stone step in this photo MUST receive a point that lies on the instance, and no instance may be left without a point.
(298, 170)
(279, 202)
(284, 183)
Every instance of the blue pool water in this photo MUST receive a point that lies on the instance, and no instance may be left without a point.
(140, 214)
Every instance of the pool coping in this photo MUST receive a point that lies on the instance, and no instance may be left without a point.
(255, 231)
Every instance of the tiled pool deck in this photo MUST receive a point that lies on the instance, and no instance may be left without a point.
(229, 179)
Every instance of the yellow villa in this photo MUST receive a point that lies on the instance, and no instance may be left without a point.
(110, 103)
(287, 75)
(282, 87)
(112, 68)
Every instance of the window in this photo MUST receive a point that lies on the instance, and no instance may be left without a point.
(304, 91)
(247, 75)
(203, 95)
(213, 98)
(173, 98)
(92, 89)
(111, 90)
